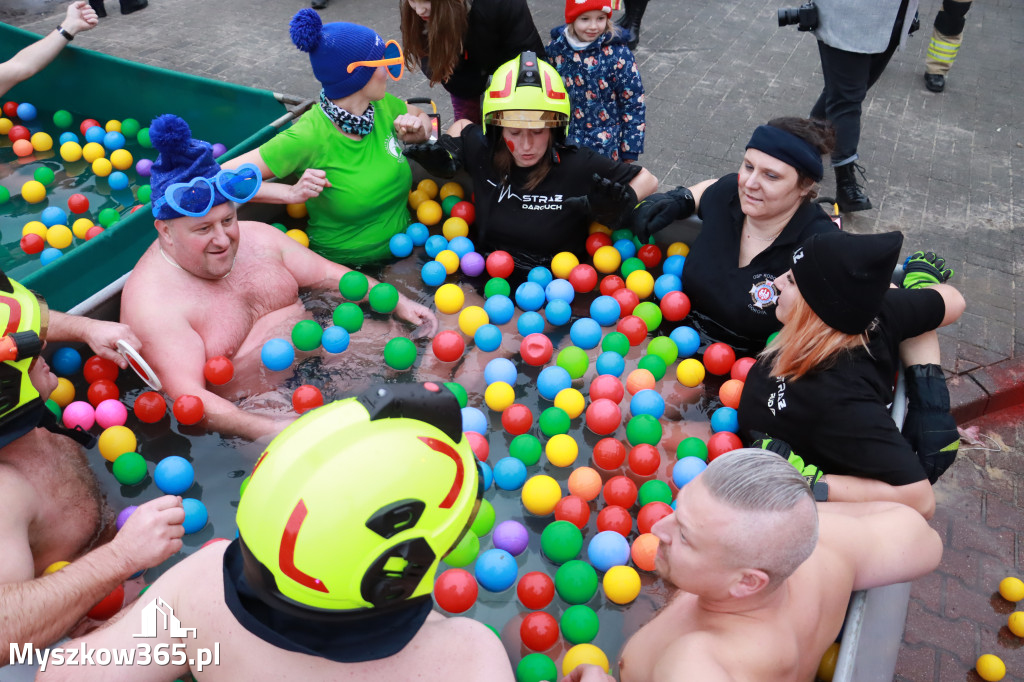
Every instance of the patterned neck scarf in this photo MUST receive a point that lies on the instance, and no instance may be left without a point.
(349, 123)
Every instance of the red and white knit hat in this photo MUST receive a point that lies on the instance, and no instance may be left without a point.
(574, 8)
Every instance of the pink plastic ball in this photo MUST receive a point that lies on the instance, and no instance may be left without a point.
(111, 413)
(79, 413)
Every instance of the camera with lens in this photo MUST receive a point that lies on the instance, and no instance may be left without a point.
(805, 16)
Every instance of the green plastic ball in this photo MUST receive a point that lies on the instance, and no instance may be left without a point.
(692, 447)
(561, 541)
(63, 118)
(306, 335)
(349, 317)
(459, 392)
(484, 521)
(465, 552)
(653, 364)
(109, 216)
(665, 348)
(573, 360)
(130, 468)
(631, 265)
(5, 195)
(622, 233)
(643, 428)
(383, 298)
(495, 286)
(400, 353)
(579, 624)
(576, 581)
(281, 227)
(143, 138)
(243, 486)
(44, 175)
(770, 339)
(52, 406)
(447, 203)
(616, 342)
(130, 127)
(536, 668)
(526, 448)
(554, 420)
(650, 313)
(144, 194)
(654, 491)
(353, 285)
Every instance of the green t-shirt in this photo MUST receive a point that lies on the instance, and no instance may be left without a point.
(352, 220)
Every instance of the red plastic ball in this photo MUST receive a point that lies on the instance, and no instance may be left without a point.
(539, 631)
(78, 203)
(456, 590)
(644, 459)
(32, 244)
(596, 241)
(650, 514)
(740, 368)
(607, 386)
(675, 306)
(218, 370)
(150, 407)
(517, 419)
(306, 397)
(610, 284)
(88, 123)
(10, 109)
(628, 300)
(721, 443)
(93, 231)
(479, 445)
(500, 264)
(97, 368)
(583, 278)
(574, 509)
(188, 410)
(718, 358)
(101, 390)
(535, 590)
(603, 416)
(621, 491)
(108, 606)
(536, 349)
(464, 210)
(616, 518)
(18, 133)
(649, 255)
(634, 328)
(448, 346)
(609, 454)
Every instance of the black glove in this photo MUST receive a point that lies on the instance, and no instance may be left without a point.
(437, 158)
(607, 200)
(658, 211)
(923, 270)
(929, 427)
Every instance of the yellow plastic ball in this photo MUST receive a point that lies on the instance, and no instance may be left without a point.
(598, 227)
(621, 584)
(1016, 623)
(299, 236)
(428, 187)
(690, 372)
(449, 298)
(71, 151)
(452, 189)
(41, 142)
(563, 263)
(92, 151)
(827, 666)
(55, 566)
(5, 125)
(499, 396)
(429, 213)
(64, 393)
(472, 318)
(607, 259)
(296, 210)
(455, 227)
(34, 227)
(641, 283)
(449, 259)
(678, 249)
(581, 654)
(990, 668)
(1011, 588)
(121, 159)
(540, 495)
(59, 236)
(417, 197)
(572, 401)
(102, 167)
(562, 450)
(115, 441)
(80, 227)
(33, 191)
(113, 127)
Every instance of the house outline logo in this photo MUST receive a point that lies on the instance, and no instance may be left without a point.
(157, 616)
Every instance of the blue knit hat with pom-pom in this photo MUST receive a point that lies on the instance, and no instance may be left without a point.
(182, 159)
(332, 47)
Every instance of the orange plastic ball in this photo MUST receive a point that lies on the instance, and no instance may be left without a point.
(730, 392)
(643, 551)
(586, 483)
(22, 147)
(638, 380)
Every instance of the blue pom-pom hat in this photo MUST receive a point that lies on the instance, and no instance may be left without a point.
(181, 159)
(332, 47)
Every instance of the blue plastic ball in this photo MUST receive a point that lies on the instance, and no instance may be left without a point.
(474, 420)
(335, 339)
(647, 401)
(673, 265)
(608, 548)
(461, 246)
(118, 180)
(53, 215)
(174, 475)
(626, 248)
(530, 323)
(501, 369)
(196, 515)
(558, 312)
(496, 570)
(401, 245)
(509, 473)
(605, 310)
(95, 134)
(725, 419)
(585, 333)
(435, 244)
(666, 284)
(487, 338)
(49, 254)
(530, 296)
(553, 379)
(540, 275)
(610, 362)
(487, 474)
(499, 309)
(66, 361)
(113, 140)
(687, 469)
(419, 233)
(687, 341)
(27, 112)
(433, 274)
(277, 354)
(67, 136)
(560, 289)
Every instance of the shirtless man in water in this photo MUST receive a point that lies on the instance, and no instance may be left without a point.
(212, 285)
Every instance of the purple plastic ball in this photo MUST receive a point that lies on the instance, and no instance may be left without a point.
(472, 264)
(122, 518)
(511, 536)
(144, 167)
(218, 149)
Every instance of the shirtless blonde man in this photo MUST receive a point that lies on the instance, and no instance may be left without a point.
(202, 290)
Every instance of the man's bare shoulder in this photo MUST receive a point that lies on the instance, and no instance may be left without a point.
(467, 648)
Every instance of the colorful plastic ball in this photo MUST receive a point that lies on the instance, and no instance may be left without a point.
(449, 299)
(121, 159)
(5, 125)
(1016, 623)
(472, 264)
(455, 590)
(606, 386)
(465, 552)
(719, 358)
(990, 668)
(664, 348)
(500, 264)
(692, 447)
(583, 278)
(501, 369)
(353, 285)
(334, 339)
(112, 140)
(59, 236)
(144, 193)
(535, 589)
(610, 363)
(429, 212)
(540, 275)
(102, 167)
(5, 195)
(652, 512)
(149, 407)
(499, 308)
(725, 419)
(530, 296)
(649, 254)
(621, 584)
(454, 227)
(585, 333)
(449, 259)
(647, 401)
(435, 244)
(66, 361)
(44, 174)
(563, 263)
(641, 283)
(687, 341)
(196, 515)
(558, 312)
(122, 518)
(433, 273)
(1011, 589)
(306, 335)
(512, 536)
(349, 317)
(78, 203)
(400, 353)
(536, 349)
(517, 419)
(277, 354)
(650, 313)
(644, 551)
(130, 128)
(585, 483)
(35, 227)
(416, 197)
(42, 142)
(605, 310)
(572, 401)
(108, 607)
(418, 233)
(306, 398)
(111, 412)
(741, 368)
(112, 443)
(643, 428)
(640, 379)
(559, 290)
(474, 420)
(634, 328)
(616, 519)
(579, 624)
(130, 468)
(143, 138)
(448, 346)
(27, 112)
(509, 473)
(496, 570)
(561, 541)
(554, 421)
(538, 631)
(626, 249)
(562, 450)
(573, 509)
(627, 300)
(620, 491)
(596, 241)
(499, 396)
(607, 548)
(607, 259)
(62, 118)
(100, 390)
(551, 380)
(484, 521)
(48, 255)
(526, 448)
(383, 298)
(536, 667)
(464, 211)
(33, 191)
(188, 409)
(487, 338)
(219, 370)
(721, 443)
(88, 124)
(16, 133)
(603, 417)
(644, 459)
(480, 446)
(530, 322)
(690, 372)
(574, 360)
(174, 475)
(401, 245)
(668, 286)
(32, 244)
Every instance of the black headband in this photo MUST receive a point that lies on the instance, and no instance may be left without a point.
(788, 148)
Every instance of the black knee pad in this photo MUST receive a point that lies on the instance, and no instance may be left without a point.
(950, 19)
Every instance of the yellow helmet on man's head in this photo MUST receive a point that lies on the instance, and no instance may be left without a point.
(352, 507)
(526, 92)
(23, 320)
